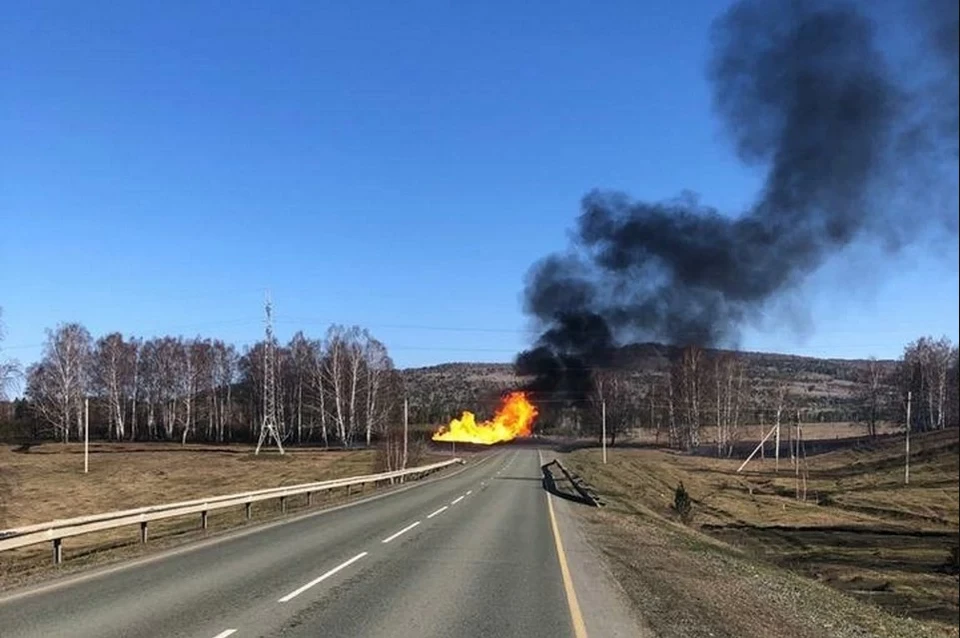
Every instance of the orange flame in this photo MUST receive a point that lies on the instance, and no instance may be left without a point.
(514, 418)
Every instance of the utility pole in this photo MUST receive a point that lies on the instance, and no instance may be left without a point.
(906, 466)
(269, 427)
(603, 428)
(86, 435)
(406, 430)
(795, 452)
(776, 462)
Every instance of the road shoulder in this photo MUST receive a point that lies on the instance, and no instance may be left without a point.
(606, 608)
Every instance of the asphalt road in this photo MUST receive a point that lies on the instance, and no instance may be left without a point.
(473, 554)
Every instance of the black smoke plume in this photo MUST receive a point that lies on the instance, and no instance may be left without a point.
(804, 89)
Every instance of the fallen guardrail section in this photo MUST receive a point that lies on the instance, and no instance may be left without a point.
(586, 492)
(56, 531)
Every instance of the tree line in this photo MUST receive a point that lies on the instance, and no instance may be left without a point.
(342, 389)
(698, 391)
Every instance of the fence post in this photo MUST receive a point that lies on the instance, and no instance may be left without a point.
(309, 499)
(143, 531)
(57, 551)
(283, 504)
(247, 507)
(203, 519)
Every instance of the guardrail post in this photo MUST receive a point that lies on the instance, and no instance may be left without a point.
(57, 551)
(203, 519)
(246, 510)
(283, 504)
(309, 499)
(143, 531)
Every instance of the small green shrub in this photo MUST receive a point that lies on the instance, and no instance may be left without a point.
(682, 503)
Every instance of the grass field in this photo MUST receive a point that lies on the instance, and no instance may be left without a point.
(860, 529)
(48, 483)
(755, 431)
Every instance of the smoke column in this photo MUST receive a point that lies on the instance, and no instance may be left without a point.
(804, 90)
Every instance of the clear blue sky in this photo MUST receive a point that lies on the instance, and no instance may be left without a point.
(398, 166)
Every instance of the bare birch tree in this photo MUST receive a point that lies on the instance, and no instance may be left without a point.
(9, 368)
(380, 380)
(686, 394)
(58, 384)
(925, 370)
(872, 377)
(114, 366)
(728, 372)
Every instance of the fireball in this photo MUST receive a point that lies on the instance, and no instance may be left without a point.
(513, 419)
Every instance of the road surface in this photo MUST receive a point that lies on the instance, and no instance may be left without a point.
(472, 554)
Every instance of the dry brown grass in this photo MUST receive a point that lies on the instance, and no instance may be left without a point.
(48, 483)
(811, 432)
(860, 529)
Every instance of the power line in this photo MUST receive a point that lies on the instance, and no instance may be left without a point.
(395, 326)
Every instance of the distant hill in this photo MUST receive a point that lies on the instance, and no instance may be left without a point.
(832, 388)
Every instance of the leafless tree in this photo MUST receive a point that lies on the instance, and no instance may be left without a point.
(872, 377)
(200, 389)
(354, 351)
(319, 389)
(165, 367)
(224, 372)
(58, 383)
(9, 368)
(925, 371)
(614, 397)
(114, 369)
(336, 363)
(300, 363)
(729, 395)
(687, 380)
(380, 383)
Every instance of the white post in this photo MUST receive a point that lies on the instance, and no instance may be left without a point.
(603, 426)
(906, 466)
(776, 466)
(406, 429)
(86, 435)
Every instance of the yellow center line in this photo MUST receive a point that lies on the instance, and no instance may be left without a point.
(579, 627)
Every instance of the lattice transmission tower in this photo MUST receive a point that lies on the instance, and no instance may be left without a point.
(270, 426)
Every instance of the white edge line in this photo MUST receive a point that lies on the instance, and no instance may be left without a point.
(225, 633)
(319, 579)
(456, 500)
(403, 531)
(431, 515)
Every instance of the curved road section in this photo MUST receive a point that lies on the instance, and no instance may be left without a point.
(483, 552)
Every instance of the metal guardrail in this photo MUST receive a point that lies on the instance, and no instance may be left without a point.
(56, 531)
(587, 493)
